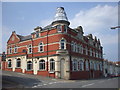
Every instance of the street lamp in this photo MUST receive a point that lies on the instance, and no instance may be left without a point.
(115, 27)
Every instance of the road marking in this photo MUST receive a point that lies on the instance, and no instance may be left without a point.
(88, 85)
(50, 83)
(44, 84)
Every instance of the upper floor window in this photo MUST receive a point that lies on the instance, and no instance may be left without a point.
(30, 49)
(65, 28)
(41, 47)
(18, 64)
(72, 46)
(101, 66)
(75, 47)
(81, 49)
(37, 34)
(42, 64)
(74, 65)
(90, 52)
(86, 50)
(9, 63)
(59, 28)
(10, 50)
(29, 65)
(62, 44)
(15, 49)
(52, 65)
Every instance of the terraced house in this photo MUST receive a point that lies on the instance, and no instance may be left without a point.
(56, 51)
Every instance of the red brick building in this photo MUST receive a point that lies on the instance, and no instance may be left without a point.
(56, 51)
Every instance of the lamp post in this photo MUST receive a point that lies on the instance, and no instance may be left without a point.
(115, 27)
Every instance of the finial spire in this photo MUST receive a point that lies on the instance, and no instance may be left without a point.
(60, 16)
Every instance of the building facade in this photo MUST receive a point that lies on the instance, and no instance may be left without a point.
(56, 51)
(111, 68)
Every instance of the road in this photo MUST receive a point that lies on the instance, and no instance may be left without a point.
(20, 80)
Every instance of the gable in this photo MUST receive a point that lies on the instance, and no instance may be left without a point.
(13, 39)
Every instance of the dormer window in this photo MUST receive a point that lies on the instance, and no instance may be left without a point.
(65, 28)
(59, 28)
(37, 34)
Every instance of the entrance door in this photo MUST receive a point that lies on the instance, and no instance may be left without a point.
(62, 68)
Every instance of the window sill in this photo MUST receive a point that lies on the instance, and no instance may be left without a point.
(29, 70)
(9, 67)
(51, 71)
(18, 67)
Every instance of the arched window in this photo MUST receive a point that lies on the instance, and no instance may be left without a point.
(74, 65)
(18, 64)
(41, 47)
(30, 49)
(91, 65)
(42, 64)
(9, 63)
(52, 65)
(62, 44)
(81, 65)
(87, 65)
(15, 49)
(29, 65)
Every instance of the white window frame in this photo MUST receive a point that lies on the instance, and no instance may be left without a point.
(44, 65)
(74, 65)
(39, 47)
(10, 50)
(18, 61)
(52, 62)
(87, 65)
(60, 28)
(60, 46)
(15, 49)
(31, 65)
(29, 48)
(9, 62)
(65, 28)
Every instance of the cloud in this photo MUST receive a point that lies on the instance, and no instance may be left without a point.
(46, 22)
(96, 19)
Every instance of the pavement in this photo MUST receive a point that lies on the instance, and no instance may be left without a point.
(19, 80)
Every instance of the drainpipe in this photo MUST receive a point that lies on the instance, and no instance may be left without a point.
(47, 51)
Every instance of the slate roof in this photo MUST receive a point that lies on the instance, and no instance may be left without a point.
(24, 38)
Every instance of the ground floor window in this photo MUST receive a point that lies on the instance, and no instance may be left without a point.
(52, 65)
(18, 64)
(42, 64)
(29, 65)
(9, 63)
(74, 65)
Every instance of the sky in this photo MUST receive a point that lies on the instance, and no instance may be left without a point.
(95, 17)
